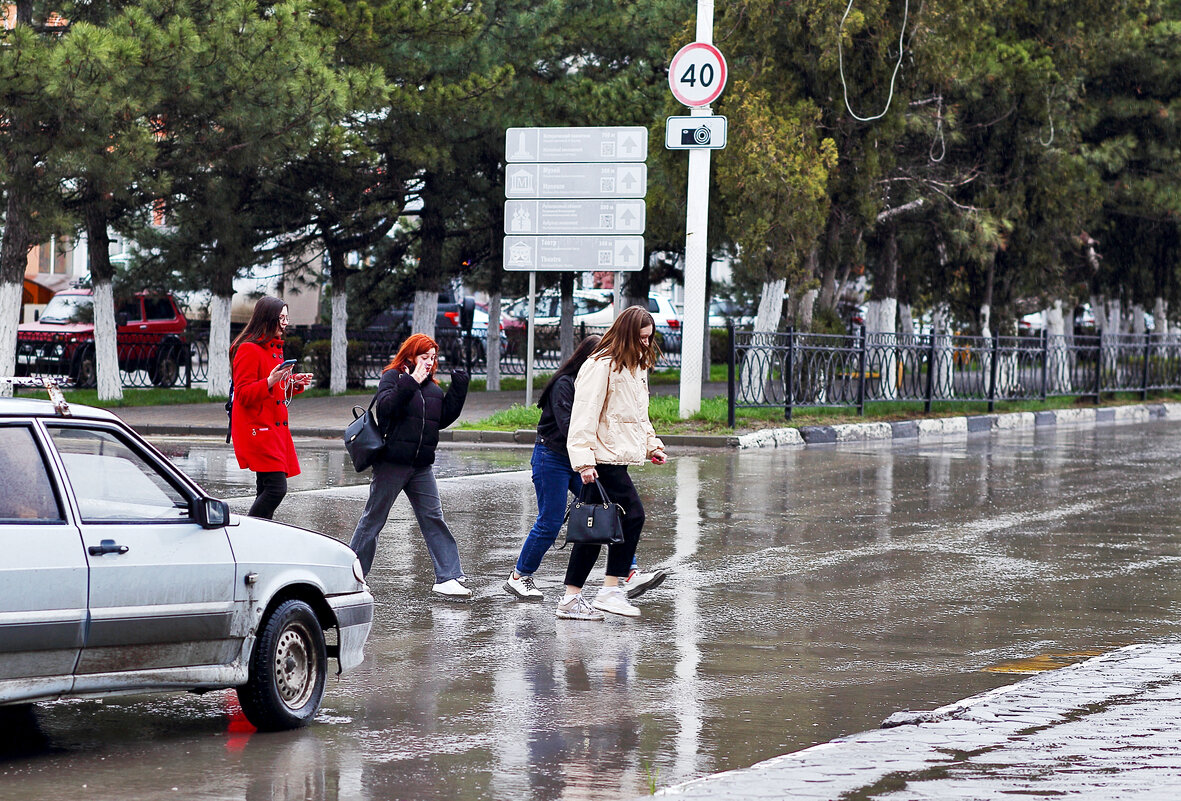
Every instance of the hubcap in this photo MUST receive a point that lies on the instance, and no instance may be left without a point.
(295, 669)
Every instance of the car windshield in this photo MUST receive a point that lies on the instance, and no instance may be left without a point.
(68, 309)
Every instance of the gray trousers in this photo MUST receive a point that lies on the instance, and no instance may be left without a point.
(423, 493)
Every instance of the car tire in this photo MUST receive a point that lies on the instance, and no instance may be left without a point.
(84, 371)
(287, 670)
(167, 367)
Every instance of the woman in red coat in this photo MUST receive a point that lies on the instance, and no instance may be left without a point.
(263, 386)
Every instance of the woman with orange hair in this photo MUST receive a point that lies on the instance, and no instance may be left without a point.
(411, 409)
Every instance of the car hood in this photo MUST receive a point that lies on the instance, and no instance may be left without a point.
(283, 554)
(55, 328)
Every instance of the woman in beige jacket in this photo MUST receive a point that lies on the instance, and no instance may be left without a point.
(609, 430)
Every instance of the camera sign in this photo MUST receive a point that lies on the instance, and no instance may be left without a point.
(693, 133)
(697, 74)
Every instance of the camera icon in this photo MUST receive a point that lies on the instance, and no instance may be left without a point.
(695, 136)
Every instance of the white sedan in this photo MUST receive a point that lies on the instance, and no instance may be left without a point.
(121, 575)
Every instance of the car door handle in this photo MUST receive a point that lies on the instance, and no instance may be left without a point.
(107, 546)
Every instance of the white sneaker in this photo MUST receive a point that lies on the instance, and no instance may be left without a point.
(638, 583)
(523, 587)
(452, 588)
(613, 600)
(575, 607)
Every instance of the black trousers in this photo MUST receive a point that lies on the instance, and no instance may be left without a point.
(583, 556)
(271, 489)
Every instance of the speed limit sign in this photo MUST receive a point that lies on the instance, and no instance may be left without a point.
(697, 74)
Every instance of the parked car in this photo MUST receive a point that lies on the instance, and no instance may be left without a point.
(449, 319)
(122, 575)
(723, 310)
(593, 308)
(149, 334)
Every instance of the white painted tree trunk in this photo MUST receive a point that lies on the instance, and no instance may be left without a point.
(807, 307)
(426, 307)
(755, 371)
(492, 344)
(339, 353)
(106, 348)
(944, 366)
(881, 317)
(1160, 316)
(219, 347)
(905, 320)
(10, 312)
(1138, 324)
(1057, 353)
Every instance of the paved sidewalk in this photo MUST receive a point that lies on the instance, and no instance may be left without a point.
(326, 417)
(1104, 729)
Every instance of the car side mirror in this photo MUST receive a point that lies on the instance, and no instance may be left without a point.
(467, 313)
(211, 513)
(121, 319)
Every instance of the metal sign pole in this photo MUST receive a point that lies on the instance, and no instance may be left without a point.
(696, 226)
(529, 339)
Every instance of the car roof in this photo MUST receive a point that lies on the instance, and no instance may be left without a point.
(32, 407)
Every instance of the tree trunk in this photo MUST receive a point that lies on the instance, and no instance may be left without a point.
(219, 345)
(426, 308)
(106, 348)
(1057, 352)
(339, 349)
(828, 275)
(756, 363)
(14, 252)
(1138, 324)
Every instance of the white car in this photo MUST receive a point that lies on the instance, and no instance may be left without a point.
(121, 575)
(592, 308)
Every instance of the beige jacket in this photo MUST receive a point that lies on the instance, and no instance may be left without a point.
(609, 421)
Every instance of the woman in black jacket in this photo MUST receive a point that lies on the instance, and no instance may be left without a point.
(411, 408)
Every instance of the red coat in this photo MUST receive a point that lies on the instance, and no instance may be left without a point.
(262, 438)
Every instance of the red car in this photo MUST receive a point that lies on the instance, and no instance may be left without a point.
(149, 330)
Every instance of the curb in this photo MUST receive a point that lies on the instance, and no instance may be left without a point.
(945, 427)
(804, 436)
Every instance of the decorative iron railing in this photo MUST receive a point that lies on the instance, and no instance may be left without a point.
(792, 369)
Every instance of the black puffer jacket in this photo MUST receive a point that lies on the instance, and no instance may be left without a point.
(554, 424)
(413, 414)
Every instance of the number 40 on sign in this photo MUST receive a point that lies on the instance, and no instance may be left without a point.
(697, 74)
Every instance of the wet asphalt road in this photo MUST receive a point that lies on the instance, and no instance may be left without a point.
(815, 592)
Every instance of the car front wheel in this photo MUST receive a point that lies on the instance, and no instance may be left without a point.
(287, 670)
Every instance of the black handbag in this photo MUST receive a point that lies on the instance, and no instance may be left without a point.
(594, 523)
(364, 438)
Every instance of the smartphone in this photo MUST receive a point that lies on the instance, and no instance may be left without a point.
(289, 363)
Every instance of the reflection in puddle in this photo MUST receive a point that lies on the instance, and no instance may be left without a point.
(1044, 662)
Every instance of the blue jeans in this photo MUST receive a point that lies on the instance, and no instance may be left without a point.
(552, 479)
(418, 483)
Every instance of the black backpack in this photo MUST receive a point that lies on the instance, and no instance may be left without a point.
(230, 412)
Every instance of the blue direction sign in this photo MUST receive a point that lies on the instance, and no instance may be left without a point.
(574, 217)
(575, 180)
(573, 253)
(605, 143)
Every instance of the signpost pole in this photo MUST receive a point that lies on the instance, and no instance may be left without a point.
(529, 339)
(696, 224)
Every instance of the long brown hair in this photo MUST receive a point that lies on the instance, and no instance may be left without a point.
(570, 367)
(621, 343)
(414, 346)
(263, 325)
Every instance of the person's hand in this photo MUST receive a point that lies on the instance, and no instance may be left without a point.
(302, 380)
(658, 456)
(279, 373)
(589, 475)
(421, 370)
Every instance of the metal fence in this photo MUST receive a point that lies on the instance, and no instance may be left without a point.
(146, 361)
(792, 370)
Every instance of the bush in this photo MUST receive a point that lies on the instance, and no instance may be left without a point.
(293, 347)
(719, 345)
(318, 362)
